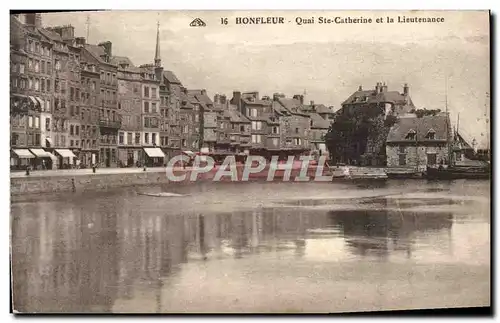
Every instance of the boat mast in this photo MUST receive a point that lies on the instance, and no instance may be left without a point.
(447, 119)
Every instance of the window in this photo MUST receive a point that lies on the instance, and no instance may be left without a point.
(49, 68)
(153, 139)
(402, 160)
(297, 141)
(242, 128)
(77, 130)
(275, 142)
(30, 64)
(431, 135)
(71, 94)
(21, 68)
(43, 85)
(253, 112)
(129, 138)
(37, 85)
(146, 92)
(431, 159)
(137, 138)
(71, 130)
(57, 64)
(146, 107)
(37, 122)
(146, 138)
(153, 107)
(256, 139)
(276, 130)
(71, 142)
(47, 124)
(402, 149)
(296, 130)
(120, 138)
(411, 135)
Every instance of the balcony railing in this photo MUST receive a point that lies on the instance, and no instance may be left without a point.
(106, 123)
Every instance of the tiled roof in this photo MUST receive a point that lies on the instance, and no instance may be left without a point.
(318, 122)
(96, 51)
(292, 105)
(201, 97)
(373, 97)
(171, 78)
(235, 115)
(421, 126)
(50, 34)
(318, 108)
(117, 60)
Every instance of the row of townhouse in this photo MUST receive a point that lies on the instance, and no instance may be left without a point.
(74, 102)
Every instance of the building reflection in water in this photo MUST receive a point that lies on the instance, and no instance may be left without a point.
(389, 229)
(102, 257)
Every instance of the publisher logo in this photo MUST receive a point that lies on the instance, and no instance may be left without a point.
(197, 23)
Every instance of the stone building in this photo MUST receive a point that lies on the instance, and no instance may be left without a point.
(90, 106)
(361, 125)
(172, 103)
(417, 142)
(130, 107)
(294, 124)
(109, 116)
(321, 119)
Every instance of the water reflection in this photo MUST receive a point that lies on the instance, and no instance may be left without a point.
(102, 257)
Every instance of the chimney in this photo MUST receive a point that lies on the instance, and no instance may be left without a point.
(107, 45)
(312, 103)
(68, 33)
(33, 20)
(80, 41)
(203, 92)
(276, 96)
(184, 90)
(236, 98)
(216, 98)
(360, 88)
(378, 87)
(223, 99)
(406, 89)
(384, 88)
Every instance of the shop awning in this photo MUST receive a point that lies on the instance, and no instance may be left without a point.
(42, 153)
(65, 153)
(23, 153)
(33, 100)
(154, 152)
(188, 152)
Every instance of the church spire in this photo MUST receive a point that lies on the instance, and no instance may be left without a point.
(157, 52)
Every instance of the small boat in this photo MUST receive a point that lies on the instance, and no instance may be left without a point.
(162, 194)
(458, 172)
(403, 173)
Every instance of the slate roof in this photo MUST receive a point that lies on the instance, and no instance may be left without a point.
(200, 96)
(318, 108)
(421, 126)
(318, 122)
(292, 106)
(50, 34)
(171, 78)
(372, 97)
(117, 60)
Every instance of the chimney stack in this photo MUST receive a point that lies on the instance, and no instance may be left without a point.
(107, 45)
(80, 41)
(216, 98)
(312, 104)
(378, 87)
(406, 89)
(384, 88)
(203, 92)
(360, 88)
(223, 99)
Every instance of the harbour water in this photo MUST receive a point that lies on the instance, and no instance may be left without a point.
(254, 247)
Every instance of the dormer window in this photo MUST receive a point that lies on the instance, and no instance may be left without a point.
(431, 135)
(411, 135)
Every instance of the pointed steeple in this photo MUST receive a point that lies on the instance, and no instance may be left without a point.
(157, 52)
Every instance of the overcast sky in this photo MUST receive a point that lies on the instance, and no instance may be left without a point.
(329, 62)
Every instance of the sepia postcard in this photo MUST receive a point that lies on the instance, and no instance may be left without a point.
(250, 161)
